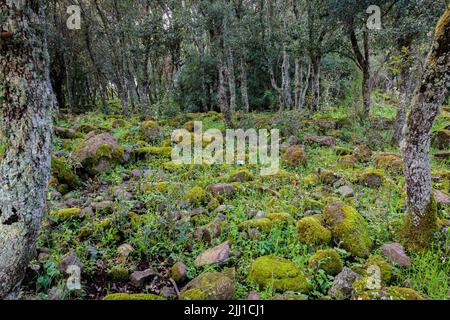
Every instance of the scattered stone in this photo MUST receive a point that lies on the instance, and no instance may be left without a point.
(372, 178)
(441, 139)
(178, 272)
(346, 191)
(209, 286)
(222, 189)
(104, 206)
(295, 156)
(311, 230)
(253, 296)
(124, 250)
(214, 255)
(150, 132)
(327, 260)
(129, 296)
(395, 252)
(242, 176)
(349, 228)
(342, 285)
(99, 153)
(69, 259)
(390, 161)
(362, 153)
(441, 198)
(66, 133)
(278, 273)
(138, 278)
(325, 141)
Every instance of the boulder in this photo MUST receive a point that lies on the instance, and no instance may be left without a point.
(362, 153)
(138, 278)
(222, 189)
(395, 253)
(348, 228)
(209, 286)
(99, 153)
(278, 273)
(342, 285)
(295, 156)
(327, 260)
(311, 230)
(178, 272)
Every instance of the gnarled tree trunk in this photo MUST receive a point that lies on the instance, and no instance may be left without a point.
(421, 219)
(25, 131)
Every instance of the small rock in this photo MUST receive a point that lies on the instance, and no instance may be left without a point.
(138, 278)
(168, 292)
(346, 191)
(342, 285)
(43, 256)
(221, 189)
(217, 254)
(325, 141)
(136, 173)
(209, 286)
(178, 272)
(253, 296)
(69, 259)
(124, 250)
(441, 197)
(395, 252)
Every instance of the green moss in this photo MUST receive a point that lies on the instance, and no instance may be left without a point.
(389, 161)
(385, 267)
(85, 232)
(128, 296)
(196, 196)
(311, 231)
(278, 273)
(62, 170)
(193, 294)
(349, 228)
(2, 150)
(398, 293)
(372, 177)
(241, 176)
(266, 224)
(328, 260)
(66, 214)
(146, 152)
(119, 273)
(418, 236)
(295, 156)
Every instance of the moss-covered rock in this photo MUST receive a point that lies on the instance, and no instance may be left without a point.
(266, 223)
(349, 228)
(119, 273)
(382, 264)
(295, 156)
(128, 296)
(348, 161)
(63, 171)
(150, 132)
(390, 161)
(241, 176)
(147, 152)
(209, 286)
(279, 274)
(196, 196)
(441, 139)
(311, 231)
(362, 153)
(99, 153)
(327, 260)
(372, 178)
(66, 214)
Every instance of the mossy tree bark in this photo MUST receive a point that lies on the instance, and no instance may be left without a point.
(26, 103)
(421, 219)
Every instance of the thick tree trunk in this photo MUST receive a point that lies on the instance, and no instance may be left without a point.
(421, 218)
(298, 83)
(244, 86)
(405, 96)
(25, 131)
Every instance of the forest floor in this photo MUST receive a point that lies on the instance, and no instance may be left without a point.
(134, 222)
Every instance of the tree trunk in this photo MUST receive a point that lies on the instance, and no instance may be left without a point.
(400, 119)
(298, 83)
(231, 81)
(421, 218)
(222, 92)
(286, 82)
(26, 105)
(366, 75)
(244, 87)
(315, 82)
